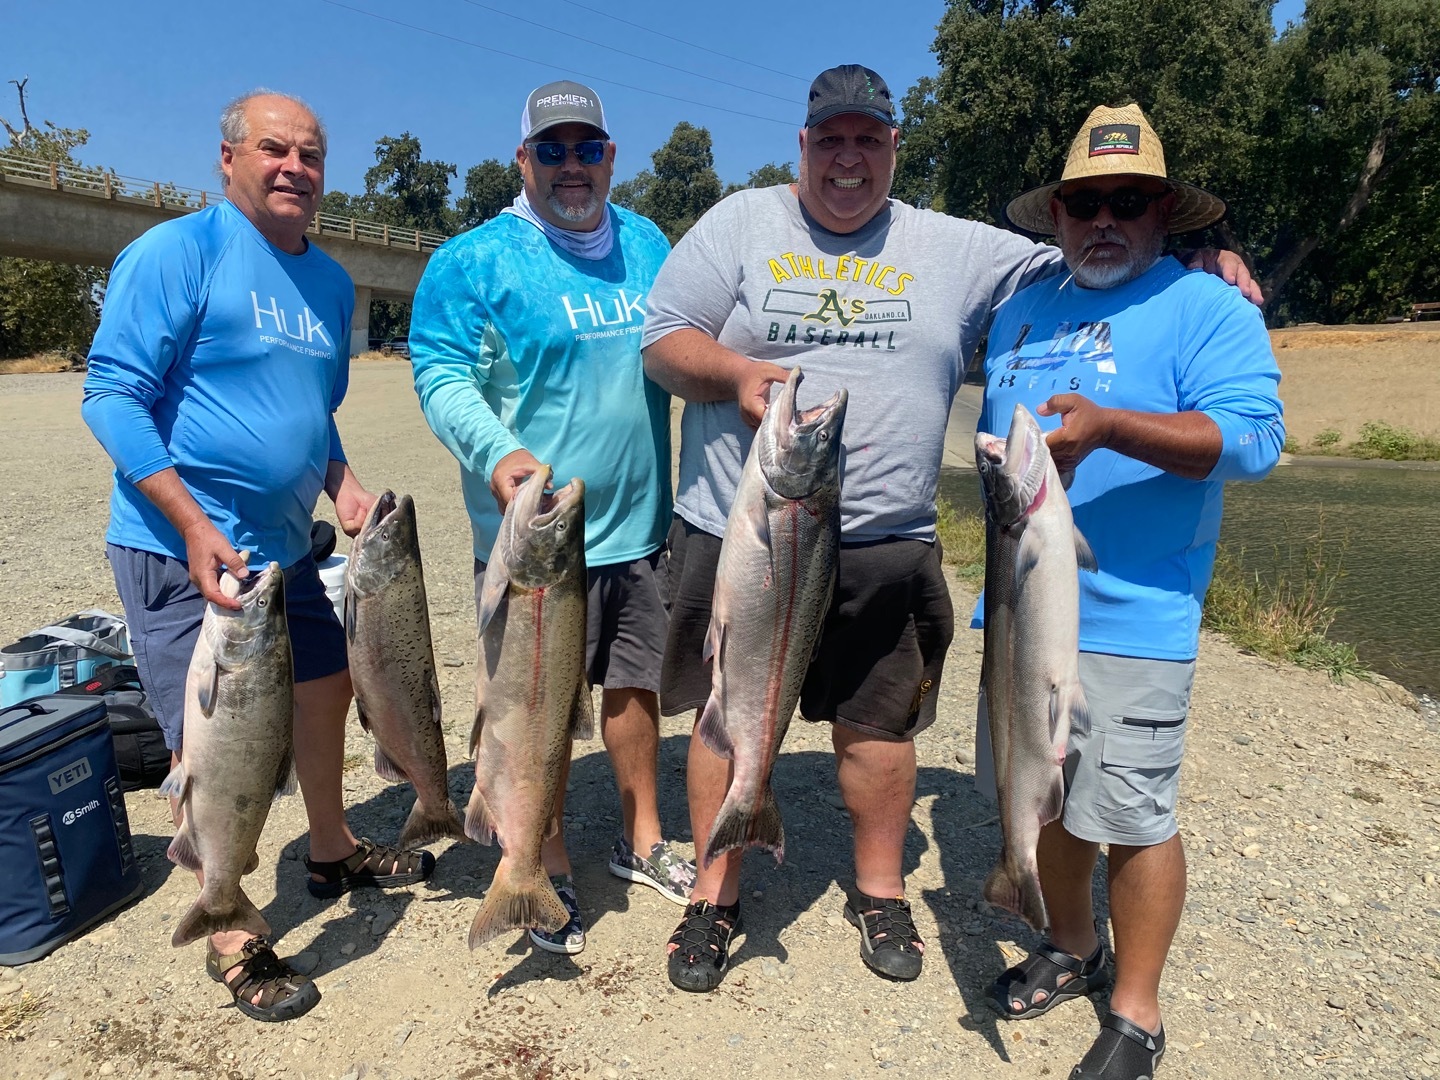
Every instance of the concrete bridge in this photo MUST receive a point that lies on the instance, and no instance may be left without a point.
(63, 213)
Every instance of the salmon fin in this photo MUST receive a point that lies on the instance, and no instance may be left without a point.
(476, 728)
(1054, 804)
(387, 768)
(251, 864)
(285, 775)
(176, 783)
(364, 717)
(517, 905)
(714, 639)
(209, 686)
(712, 729)
(1027, 557)
(182, 848)
(582, 713)
(424, 825)
(492, 591)
(479, 824)
(736, 827)
(552, 827)
(201, 920)
(434, 695)
(349, 607)
(1084, 556)
(1067, 477)
(1068, 712)
(1017, 890)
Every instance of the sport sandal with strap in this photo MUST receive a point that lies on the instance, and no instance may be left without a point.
(369, 866)
(1034, 986)
(1122, 1051)
(699, 950)
(889, 943)
(283, 993)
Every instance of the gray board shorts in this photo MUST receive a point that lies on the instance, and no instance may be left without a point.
(1122, 779)
(164, 609)
(625, 623)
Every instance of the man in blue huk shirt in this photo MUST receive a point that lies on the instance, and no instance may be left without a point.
(525, 338)
(1158, 385)
(221, 357)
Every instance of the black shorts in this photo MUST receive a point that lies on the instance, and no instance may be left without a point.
(881, 651)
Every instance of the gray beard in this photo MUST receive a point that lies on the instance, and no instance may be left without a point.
(1106, 275)
(576, 214)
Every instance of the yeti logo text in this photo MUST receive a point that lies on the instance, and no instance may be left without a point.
(624, 309)
(307, 327)
(72, 816)
(69, 775)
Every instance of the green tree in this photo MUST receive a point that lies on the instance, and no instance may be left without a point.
(489, 188)
(682, 185)
(631, 193)
(402, 188)
(768, 175)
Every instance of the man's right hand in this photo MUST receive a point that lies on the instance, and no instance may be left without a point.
(752, 392)
(512, 470)
(209, 553)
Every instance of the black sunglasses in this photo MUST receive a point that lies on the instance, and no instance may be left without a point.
(1126, 204)
(551, 154)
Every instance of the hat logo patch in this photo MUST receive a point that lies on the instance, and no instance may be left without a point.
(1114, 139)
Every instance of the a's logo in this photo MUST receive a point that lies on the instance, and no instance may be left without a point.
(828, 304)
(69, 775)
(72, 816)
(831, 306)
(1114, 139)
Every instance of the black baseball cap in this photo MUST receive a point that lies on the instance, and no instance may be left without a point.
(849, 88)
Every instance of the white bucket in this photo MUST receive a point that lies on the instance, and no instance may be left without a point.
(332, 573)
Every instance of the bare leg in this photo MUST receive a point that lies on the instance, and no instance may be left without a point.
(321, 706)
(1067, 867)
(877, 781)
(1147, 895)
(630, 725)
(707, 780)
(553, 855)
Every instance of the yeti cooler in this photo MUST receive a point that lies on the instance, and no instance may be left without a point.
(64, 835)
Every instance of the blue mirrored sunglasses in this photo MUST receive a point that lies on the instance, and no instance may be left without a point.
(551, 154)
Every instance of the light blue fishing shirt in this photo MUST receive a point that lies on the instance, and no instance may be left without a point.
(225, 357)
(518, 343)
(1170, 341)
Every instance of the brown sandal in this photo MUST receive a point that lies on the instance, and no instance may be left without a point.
(283, 992)
(362, 870)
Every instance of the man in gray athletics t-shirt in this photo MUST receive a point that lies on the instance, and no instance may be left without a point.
(889, 302)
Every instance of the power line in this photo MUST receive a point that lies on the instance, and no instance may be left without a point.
(622, 52)
(553, 66)
(682, 41)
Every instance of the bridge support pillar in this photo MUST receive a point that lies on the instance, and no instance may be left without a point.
(360, 322)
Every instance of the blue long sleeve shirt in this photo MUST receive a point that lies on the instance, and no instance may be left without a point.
(224, 357)
(1170, 341)
(516, 343)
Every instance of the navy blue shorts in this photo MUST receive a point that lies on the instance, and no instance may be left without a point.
(163, 611)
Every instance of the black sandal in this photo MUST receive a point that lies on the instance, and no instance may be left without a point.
(284, 993)
(889, 943)
(1122, 1051)
(699, 950)
(1040, 973)
(364, 869)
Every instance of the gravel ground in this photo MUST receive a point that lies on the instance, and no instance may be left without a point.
(1310, 816)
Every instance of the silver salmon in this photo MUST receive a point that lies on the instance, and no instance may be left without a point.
(237, 753)
(1029, 674)
(392, 665)
(531, 697)
(773, 585)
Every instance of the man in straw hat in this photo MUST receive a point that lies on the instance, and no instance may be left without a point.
(867, 293)
(1158, 386)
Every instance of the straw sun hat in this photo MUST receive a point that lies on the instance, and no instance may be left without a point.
(1116, 142)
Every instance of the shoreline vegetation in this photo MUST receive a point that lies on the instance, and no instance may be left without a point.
(1378, 441)
(1281, 613)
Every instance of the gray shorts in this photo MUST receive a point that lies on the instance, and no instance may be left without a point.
(626, 623)
(1122, 779)
(163, 611)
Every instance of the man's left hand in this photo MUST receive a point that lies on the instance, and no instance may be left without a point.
(1084, 426)
(1231, 268)
(352, 503)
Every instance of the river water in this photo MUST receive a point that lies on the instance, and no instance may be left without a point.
(1386, 519)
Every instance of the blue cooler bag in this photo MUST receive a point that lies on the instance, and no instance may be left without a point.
(61, 655)
(64, 834)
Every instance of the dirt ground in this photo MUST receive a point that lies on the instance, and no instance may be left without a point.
(1310, 814)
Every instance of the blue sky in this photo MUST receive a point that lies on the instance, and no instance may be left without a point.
(148, 78)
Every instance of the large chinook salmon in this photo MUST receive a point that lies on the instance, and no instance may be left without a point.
(1029, 675)
(773, 586)
(392, 665)
(532, 696)
(237, 753)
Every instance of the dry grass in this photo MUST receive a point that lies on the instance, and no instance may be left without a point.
(16, 1014)
(962, 536)
(39, 364)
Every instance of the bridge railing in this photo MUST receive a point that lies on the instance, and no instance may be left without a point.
(103, 184)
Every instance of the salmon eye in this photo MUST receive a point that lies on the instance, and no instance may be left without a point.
(384, 534)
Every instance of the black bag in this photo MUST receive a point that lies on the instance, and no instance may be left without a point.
(140, 748)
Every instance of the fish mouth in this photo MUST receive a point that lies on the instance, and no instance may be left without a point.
(554, 503)
(792, 423)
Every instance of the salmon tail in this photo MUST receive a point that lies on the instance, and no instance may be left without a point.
(1017, 889)
(425, 824)
(182, 848)
(712, 729)
(479, 825)
(203, 919)
(737, 827)
(530, 902)
(387, 769)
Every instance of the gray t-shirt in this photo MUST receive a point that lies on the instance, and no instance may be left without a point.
(892, 312)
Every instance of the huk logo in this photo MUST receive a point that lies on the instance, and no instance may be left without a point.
(306, 327)
(1114, 139)
(615, 311)
(69, 775)
(72, 816)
